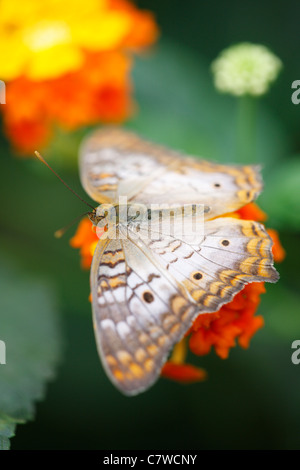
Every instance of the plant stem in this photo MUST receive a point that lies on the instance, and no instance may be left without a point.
(246, 130)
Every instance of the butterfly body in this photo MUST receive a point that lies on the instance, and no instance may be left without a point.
(168, 248)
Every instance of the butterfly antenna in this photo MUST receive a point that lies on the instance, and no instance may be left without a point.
(59, 233)
(39, 156)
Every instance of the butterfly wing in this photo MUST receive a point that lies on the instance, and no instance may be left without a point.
(139, 312)
(114, 163)
(147, 290)
(213, 269)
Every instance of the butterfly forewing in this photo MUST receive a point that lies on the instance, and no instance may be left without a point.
(114, 162)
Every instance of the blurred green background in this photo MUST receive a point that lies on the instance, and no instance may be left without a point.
(251, 400)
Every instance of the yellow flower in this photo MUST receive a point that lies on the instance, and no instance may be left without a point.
(42, 40)
(67, 64)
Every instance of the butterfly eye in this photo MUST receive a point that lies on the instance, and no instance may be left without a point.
(225, 242)
(148, 297)
(101, 217)
(217, 185)
(197, 276)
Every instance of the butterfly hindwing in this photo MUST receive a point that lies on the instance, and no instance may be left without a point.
(229, 254)
(139, 313)
(146, 292)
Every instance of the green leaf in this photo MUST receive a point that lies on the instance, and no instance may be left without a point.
(30, 331)
(7, 429)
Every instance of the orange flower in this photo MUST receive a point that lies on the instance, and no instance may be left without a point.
(234, 322)
(25, 131)
(143, 31)
(183, 373)
(86, 239)
(252, 212)
(175, 369)
(278, 250)
(70, 73)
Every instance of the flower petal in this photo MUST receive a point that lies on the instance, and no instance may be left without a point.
(184, 373)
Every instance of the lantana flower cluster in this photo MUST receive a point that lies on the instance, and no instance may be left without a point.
(67, 64)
